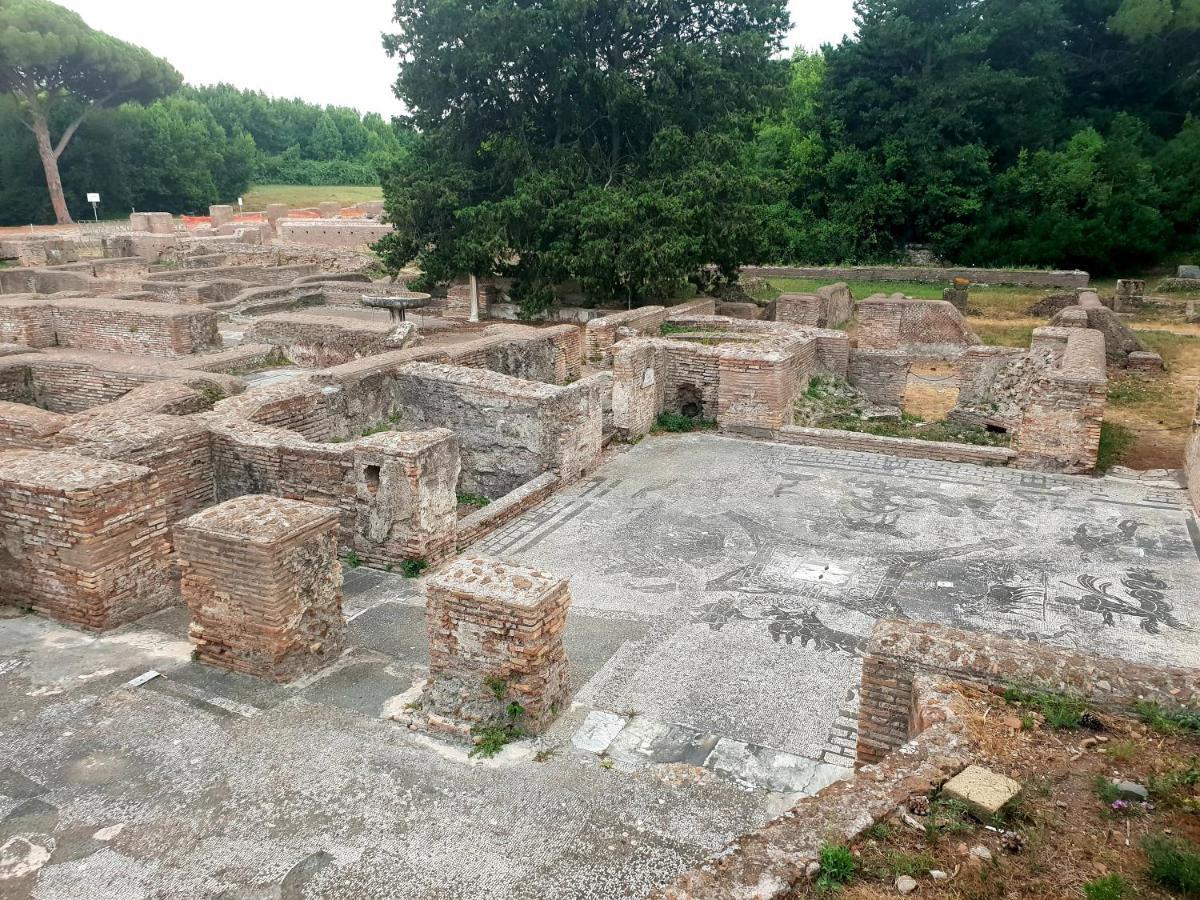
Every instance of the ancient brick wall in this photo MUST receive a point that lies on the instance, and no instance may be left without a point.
(926, 274)
(1191, 460)
(24, 427)
(923, 327)
(16, 382)
(332, 232)
(495, 638)
(880, 374)
(128, 326)
(899, 651)
(911, 448)
(82, 540)
(1060, 426)
(758, 386)
(637, 395)
(262, 580)
(316, 341)
(600, 334)
(511, 430)
(1119, 340)
(828, 307)
(458, 299)
(498, 513)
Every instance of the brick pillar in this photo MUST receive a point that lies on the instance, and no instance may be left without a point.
(406, 506)
(330, 209)
(495, 637)
(82, 540)
(220, 215)
(263, 582)
(885, 707)
(275, 212)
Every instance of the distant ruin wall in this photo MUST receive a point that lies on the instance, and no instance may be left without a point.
(924, 274)
(600, 334)
(332, 232)
(927, 327)
(1191, 462)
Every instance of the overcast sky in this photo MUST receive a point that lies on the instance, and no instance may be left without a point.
(326, 53)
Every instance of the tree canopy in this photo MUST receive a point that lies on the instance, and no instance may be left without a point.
(50, 57)
(600, 141)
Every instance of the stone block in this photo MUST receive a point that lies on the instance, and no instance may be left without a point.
(1188, 272)
(984, 791)
(262, 579)
(220, 215)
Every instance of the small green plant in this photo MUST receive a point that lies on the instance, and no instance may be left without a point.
(880, 831)
(1174, 788)
(912, 864)
(1168, 721)
(412, 568)
(667, 328)
(377, 429)
(352, 560)
(606, 763)
(947, 816)
(675, 423)
(1059, 710)
(468, 499)
(1122, 751)
(1115, 441)
(491, 739)
(1175, 864)
(1110, 887)
(497, 685)
(545, 754)
(838, 866)
(211, 393)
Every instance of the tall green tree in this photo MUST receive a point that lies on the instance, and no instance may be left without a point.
(50, 57)
(600, 141)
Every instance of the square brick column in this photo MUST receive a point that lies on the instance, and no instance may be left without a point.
(495, 637)
(82, 540)
(263, 582)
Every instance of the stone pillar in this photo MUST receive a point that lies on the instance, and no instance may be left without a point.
(959, 294)
(495, 638)
(82, 540)
(330, 209)
(139, 221)
(220, 215)
(406, 507)
(275, 212)
(1130, 292)
(160, 223)
(1191, 458)
(262, 579)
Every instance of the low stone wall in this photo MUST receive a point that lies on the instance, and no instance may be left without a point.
(316, 341)
(125, 326)
(1191, 460)
(500, 512)
(827, 307)
(899, 652)
(332, 232)
(511, 430)
(1060, 427)
(915, 734)
(82, 540)
(600, 334)
(926, 328)
(925, 274)
(1122, 347)
(880, 374)
(910, 448)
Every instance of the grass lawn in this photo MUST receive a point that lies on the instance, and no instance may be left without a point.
(302, 196)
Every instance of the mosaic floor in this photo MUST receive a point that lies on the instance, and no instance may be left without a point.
(722, 593)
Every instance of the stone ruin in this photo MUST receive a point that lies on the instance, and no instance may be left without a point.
(1122, 347)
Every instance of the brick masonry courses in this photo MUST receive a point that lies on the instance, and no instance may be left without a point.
(925, 328)
(925, 274)
(262, 580)
(914, 735)
(495, 637)
(332, 232)
(126, 326)
(827, 307)
(83, 541)
(600, 334)
(1191, 461)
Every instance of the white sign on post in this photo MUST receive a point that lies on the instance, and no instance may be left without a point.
(93, 198)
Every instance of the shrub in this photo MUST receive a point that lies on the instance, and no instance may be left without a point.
(1059, 710)
(352, 560)
(1174, 864)
(1110, 887)
(1166, 720)
(412, 568)
(676, 423)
